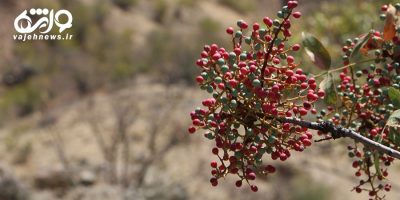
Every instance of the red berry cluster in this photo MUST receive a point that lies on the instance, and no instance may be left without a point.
(252, 87)
(366, 106)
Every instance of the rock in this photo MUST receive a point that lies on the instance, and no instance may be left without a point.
(87, 178)
(97, 192)
(55, 178)
(10, 188)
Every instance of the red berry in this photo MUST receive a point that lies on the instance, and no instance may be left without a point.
(373, 132)
(199, 79)
(372, 193)
(384, 8)
(385, 173)
(321, 93)
(292, 4)
(199, 63)
(296, 47)
(270, 169)
(388, 187)
(297, 15)
(256, 26)
(216, 56)
(311, 80)
(306, 142)
(233, 83)
(213, 47)
(214, 181)
(290, 59)
(243, 25)
(215, 151)
(204, 54)
(314, 111)
(268, 38)
(221, 86)
(289, 73)
(303, 85)
(214, 164)
(229, 30)
(267, 21)
(355, 164)
(302, 111)
(307, 105)
(309, 135)
(238, 183)
(192, 129)
(254, 188)
(251, 176)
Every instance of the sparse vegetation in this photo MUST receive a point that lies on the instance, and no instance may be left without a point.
(125, 4)
(242, 7)
(136, 60)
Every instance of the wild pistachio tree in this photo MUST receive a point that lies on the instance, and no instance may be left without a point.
(262, 101)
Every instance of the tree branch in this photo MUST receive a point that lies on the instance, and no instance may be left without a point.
(271, 45)
(339, 132)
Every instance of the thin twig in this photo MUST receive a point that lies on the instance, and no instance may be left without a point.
(341, 68)
(271, 45)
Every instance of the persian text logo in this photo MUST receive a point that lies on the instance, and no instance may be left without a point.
(44, 21)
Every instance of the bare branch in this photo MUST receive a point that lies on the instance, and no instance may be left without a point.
(339, 132)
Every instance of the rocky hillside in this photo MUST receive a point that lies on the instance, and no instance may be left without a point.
(57, 154)
(105, 116)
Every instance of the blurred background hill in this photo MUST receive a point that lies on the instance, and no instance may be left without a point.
(104, 116)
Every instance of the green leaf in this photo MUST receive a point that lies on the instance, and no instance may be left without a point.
(328, 86)
(377, 164)
(394, 119)
(394, 136)
(395, 131)
(359, 45)
(316, 51)
(394, 96)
